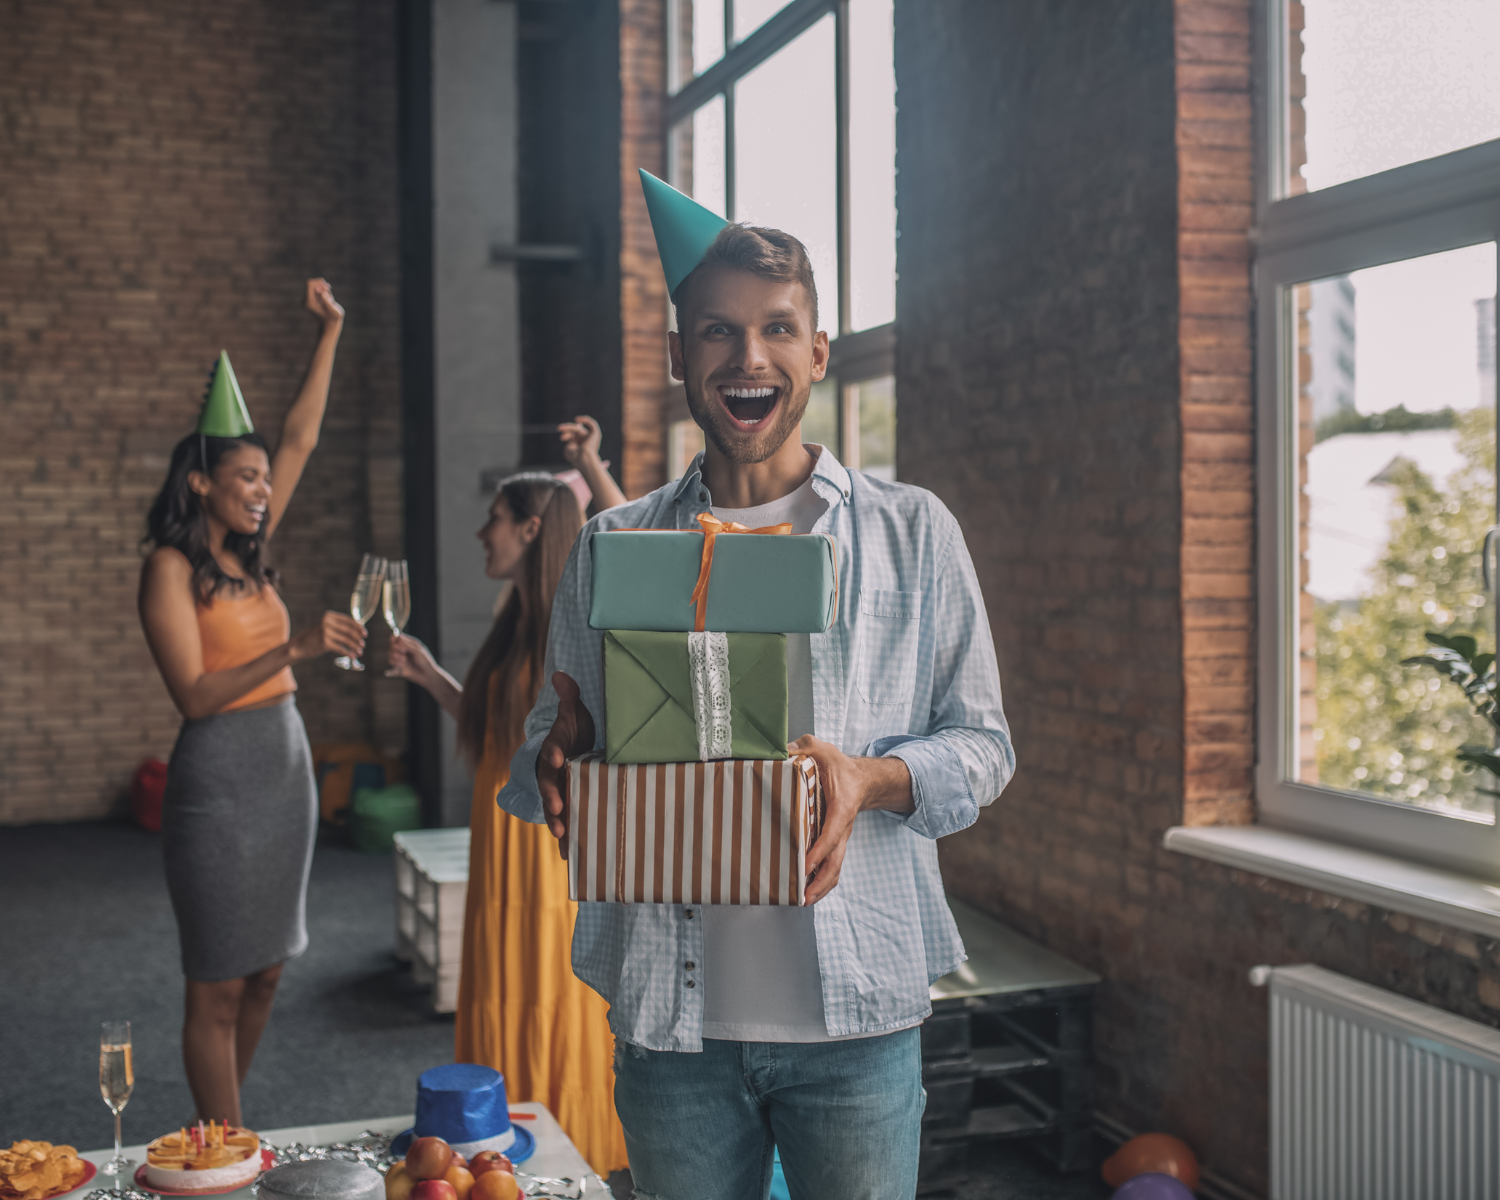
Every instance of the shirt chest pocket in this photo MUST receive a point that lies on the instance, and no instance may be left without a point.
(889, 625)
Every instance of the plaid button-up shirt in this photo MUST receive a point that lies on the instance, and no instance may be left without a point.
(907, 669)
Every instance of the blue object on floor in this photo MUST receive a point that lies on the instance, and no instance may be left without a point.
(778, 1179)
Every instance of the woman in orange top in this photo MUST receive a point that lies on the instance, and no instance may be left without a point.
(240, 809)
(521, 1009)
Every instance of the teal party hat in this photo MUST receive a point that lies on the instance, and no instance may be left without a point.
(684, 228)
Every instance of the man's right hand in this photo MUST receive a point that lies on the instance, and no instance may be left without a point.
(572, 734)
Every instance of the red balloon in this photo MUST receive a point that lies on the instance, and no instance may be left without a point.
(1152, 1152)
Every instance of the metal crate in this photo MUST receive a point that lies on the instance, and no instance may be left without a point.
(1006, 1052)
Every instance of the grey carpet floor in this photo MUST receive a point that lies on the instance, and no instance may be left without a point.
(87, 935)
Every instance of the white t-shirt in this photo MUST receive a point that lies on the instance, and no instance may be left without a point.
(761, 981)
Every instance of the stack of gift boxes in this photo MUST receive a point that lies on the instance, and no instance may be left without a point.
(694, 798)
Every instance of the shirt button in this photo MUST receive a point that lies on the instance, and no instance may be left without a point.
(690, 983)
(688, 914)
(691, 965)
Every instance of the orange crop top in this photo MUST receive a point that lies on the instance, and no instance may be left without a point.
(238, 627)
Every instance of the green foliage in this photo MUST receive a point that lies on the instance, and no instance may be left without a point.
(1382, 728)
(1457, 659)
(1393, 420)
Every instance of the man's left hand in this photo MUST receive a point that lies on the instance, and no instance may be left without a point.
(850, 786)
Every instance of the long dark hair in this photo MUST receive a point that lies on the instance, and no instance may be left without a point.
(518, 638)
(178, 519)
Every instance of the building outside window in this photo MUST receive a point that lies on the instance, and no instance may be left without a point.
(784, 114)
(1379, 211)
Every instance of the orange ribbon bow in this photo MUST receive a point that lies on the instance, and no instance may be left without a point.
(712, 527)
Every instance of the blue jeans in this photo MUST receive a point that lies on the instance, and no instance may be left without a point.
(845, 1116)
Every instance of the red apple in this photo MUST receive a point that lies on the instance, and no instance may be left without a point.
(494, 1185)
(490, 1160)
(459, 1161)
(434, 1189)
(428, 1158)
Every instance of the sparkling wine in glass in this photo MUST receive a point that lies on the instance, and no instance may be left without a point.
(364, 601)
(397, 597)
(116, 1080)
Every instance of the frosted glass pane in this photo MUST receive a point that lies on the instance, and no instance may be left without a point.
(784, 168)
(875, 404)
(820, 424)
(872, 164)
(750, 15)
(1395, 407)
(1389, 82)
(698, 155)
(708, 34)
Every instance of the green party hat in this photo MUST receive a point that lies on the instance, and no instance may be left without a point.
(684, 228)
(224, 413)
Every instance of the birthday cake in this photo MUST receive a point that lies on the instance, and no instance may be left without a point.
(208, 1157)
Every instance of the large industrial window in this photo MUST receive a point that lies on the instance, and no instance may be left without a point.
(1375, 281)
(785, 115)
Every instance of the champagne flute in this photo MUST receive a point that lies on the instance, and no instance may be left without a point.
(363, 601)
(397, 598)
(116, 1079)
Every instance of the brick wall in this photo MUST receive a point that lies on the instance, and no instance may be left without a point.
(1074, 379)
(173, 172)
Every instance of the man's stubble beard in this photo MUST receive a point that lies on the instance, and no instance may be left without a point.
(750, 448)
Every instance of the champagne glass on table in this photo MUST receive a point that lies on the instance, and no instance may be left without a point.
(397, 598)
(364, 601)
(116, 1079)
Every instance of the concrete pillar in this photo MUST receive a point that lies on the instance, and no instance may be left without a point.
(476, 348)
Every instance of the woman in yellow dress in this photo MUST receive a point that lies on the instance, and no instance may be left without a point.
(521, 1010)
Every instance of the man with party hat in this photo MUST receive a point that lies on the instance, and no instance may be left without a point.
(747, 1031)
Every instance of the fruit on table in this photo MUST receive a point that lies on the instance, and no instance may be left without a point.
(428, 1158)
(398, 1184)
(461, 1179)
(434, 1189)
(495, 1185)
(490, 1160)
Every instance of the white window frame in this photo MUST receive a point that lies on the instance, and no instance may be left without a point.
(1425, 207)
(854, 357)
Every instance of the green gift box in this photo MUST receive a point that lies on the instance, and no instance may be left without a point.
(691, 697)
(758, 583)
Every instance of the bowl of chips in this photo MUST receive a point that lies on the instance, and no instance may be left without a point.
(40, 1170)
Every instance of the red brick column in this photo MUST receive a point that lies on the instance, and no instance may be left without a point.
(1216, 209)
(643, 289)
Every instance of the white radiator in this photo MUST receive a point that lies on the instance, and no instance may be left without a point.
(1376, 1097)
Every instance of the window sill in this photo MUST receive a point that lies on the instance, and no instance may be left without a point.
(1415, 889)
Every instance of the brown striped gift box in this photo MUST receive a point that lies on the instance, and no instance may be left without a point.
(736, 831)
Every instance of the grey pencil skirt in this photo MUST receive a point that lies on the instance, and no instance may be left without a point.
(238, 822)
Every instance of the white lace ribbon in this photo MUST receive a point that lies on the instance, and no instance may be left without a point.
(708, 662)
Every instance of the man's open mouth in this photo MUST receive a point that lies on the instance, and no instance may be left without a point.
(749, 407)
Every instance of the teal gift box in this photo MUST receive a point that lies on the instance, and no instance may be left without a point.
(758, 582)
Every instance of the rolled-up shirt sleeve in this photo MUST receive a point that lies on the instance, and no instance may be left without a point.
(965, 759)
(572, 647)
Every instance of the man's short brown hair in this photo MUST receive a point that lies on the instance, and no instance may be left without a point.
(769, 253)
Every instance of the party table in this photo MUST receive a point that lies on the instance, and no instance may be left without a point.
(555, 1155)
